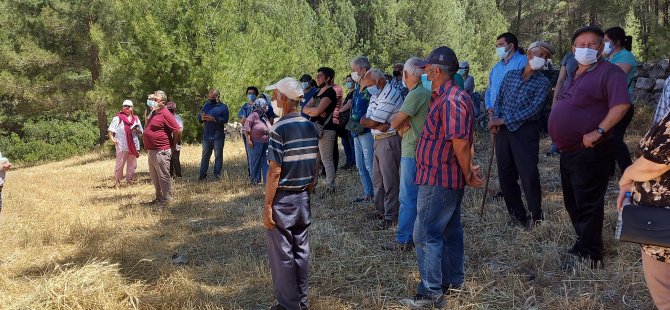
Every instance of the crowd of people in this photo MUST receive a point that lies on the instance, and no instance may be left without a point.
(410, 136)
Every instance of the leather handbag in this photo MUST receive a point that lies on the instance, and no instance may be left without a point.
(646, 225)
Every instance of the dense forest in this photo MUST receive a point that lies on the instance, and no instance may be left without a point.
(66, 65)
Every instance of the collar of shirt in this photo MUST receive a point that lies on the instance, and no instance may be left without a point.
(512, 59)
(443, 88)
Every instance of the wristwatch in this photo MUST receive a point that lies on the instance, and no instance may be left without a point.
(600, 131)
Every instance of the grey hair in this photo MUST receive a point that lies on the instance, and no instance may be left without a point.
(375, 75)
(411, 66)
(161, 95)
(447, 70)
(362, 62)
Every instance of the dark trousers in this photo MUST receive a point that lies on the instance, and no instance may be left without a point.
(348, 145)
(288, 248)
(517, 158)
(621, 153)
(584, 177)
(175, 164)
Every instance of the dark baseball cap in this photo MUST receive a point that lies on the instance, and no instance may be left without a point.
(442, 55)
(592, 29)
(305, 78)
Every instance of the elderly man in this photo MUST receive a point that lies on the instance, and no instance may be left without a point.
(507, 46)
(515, 123)
(409, 123)
(160, 130)
(444, 166)
(385, 101)
(580, 123)
(293, 156)
(214, 114)
(363, 141)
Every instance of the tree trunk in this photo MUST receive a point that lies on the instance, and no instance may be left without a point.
(518, 18)
(95, 77)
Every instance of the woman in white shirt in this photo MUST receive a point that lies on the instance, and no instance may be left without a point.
(124, 131)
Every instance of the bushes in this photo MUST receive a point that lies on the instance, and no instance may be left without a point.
(50, 139)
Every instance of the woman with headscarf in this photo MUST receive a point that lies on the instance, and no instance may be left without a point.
(124, 131)
(256, 129)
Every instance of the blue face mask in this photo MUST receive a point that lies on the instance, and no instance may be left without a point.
(373, 90)
(151, 103)
(426, 83)
(305, 85)
(251, 97)
(349, 85)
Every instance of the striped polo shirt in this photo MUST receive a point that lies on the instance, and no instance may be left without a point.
(384, 106)
(294, 145)
(450, 116)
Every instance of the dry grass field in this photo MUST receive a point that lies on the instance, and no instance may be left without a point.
(69, 240)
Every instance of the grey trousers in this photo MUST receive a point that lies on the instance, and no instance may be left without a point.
(326, 143)
(288, 249)
(386, 176)
(159, 170)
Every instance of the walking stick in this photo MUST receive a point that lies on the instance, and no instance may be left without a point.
(488, 174)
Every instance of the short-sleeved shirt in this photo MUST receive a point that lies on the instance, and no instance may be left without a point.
(332, 95)
(399, 86)
(359, 106)
(180, 121)
(245, 110)
(521, 101)
(663, 104)
(655, 147)
(119, 130)
(450, 116)
(516, 62)
(416, 107)
(626, 57)
(383, 107)
(294, 145)
(307, 97)
(217, 129)
(585, 101)
(158, 132)
(258, 127)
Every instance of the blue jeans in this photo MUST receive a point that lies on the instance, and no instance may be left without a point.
(409, 193)
(438, 235)
(364, 145)
(209, 145)
(259, 163)
(348, 145)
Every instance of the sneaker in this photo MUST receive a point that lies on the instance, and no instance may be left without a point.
(360, 199)
(396, 246)
(424, 302)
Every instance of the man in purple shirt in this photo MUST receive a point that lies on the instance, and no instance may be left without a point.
(580, 123)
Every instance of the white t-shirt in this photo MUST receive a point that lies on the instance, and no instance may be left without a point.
(119, 131)
(180, 121)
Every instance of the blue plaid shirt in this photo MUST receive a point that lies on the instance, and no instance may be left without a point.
(664, 104)
(520, 101)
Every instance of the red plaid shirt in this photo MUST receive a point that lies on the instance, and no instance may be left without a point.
(450, 117)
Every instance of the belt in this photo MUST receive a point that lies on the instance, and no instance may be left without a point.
(384, 135)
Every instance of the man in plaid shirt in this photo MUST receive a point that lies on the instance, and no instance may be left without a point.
(444, 166)
(515, 121)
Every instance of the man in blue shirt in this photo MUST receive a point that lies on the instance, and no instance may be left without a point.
(515, 121)
(507, 46)
(214, 115)
(363, 142)
(309, 89)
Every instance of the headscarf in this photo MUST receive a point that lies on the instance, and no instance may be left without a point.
(261, 107)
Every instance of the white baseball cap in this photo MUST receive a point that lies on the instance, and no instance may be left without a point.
(127, 103)
(288, 86)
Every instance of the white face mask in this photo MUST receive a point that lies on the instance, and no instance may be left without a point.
(608, 48)
(355, 76)
(537, 63)
(502, 52)
(586, 56)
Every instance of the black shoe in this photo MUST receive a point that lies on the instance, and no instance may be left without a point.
(424, 302)
(396, 246)
(384, 225)
(277, 307)
(374, 216)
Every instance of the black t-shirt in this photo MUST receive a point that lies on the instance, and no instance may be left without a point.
(328, 93)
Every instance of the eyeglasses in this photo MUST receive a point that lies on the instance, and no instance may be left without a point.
(127, 106)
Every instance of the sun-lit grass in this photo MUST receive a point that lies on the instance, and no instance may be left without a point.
(71, 241)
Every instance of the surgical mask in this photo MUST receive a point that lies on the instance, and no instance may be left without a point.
(349, 85)
(251, 97)
(608, 48)
(537, 63)
(586, 56)
(502, 52)
(426, 83)
(151, 103)
(373, 90)
(403, 82)
(355, 76)
(461, 72)
(305, 85)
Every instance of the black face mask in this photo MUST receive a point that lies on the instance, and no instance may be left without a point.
(397, 73)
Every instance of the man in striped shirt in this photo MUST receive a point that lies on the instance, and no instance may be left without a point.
(385, 101)
(293, 156)
(444, 166)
